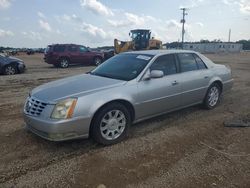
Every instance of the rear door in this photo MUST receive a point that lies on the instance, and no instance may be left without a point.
(159, 95)
(73, 53)
(194, 78)
(84, 55)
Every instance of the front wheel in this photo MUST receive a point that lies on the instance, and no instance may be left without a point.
(111, 124)
(213, 96)
(10, 70)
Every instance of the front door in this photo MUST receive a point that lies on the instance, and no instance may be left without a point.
(159, 95)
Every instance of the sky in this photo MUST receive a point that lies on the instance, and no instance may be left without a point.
(93, 23)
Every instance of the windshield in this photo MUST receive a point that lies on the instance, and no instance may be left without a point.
(123, 67)
(137, 35)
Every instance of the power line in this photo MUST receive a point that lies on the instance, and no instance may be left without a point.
(183, 25)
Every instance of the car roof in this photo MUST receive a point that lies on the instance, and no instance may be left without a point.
(159, 52)
(65, 45)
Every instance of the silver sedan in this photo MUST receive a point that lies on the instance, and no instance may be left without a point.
(128, 88)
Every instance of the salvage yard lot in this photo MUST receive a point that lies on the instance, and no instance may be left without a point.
(188, 148)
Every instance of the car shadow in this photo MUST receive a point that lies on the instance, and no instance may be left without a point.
(162, 121)
(71, 66)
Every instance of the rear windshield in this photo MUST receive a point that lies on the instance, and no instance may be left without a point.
(48, 49)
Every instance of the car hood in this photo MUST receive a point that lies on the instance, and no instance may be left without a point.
(10, 59)
(75, 86)
(14, 59)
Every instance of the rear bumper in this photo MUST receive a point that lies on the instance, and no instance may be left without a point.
(50, 60)
(58, 130)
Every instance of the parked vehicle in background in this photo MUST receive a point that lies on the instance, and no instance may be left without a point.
(140, 40)
(30, 52)
(108, 53)
(127, 88)
(11, 65)
(62, 55)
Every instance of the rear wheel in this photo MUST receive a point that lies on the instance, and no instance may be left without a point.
(10, 70)
(111, 124)
(212, 98)
(97, 61)
(64, 63)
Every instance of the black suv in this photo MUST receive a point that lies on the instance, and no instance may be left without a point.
(61, 55)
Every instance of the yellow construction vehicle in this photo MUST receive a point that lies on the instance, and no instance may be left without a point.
(141, 40)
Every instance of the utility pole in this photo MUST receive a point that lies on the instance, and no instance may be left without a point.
(229, 36)
(183, 21)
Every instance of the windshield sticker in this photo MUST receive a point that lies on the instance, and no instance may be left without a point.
(144, 57)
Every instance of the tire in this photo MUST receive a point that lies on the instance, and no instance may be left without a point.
(64, 63)
(97, 61)
(111, 124)
(212, 97)
(10, 70)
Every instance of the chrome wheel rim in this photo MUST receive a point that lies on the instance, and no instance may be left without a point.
(97, 61)
(113, 124)
(213, 96)
(64, 63)
(10, 70)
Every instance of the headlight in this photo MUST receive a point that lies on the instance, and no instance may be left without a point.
(64, 109)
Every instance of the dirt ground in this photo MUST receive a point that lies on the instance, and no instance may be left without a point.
(188, 148)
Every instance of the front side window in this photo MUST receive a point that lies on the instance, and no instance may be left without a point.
(83, 49)
(187, 62)
(165, 63)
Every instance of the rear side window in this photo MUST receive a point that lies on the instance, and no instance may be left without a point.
(200, 63)
(59, 48)
(48, 49)
(72, 48)
(165, 63)
(187, 62)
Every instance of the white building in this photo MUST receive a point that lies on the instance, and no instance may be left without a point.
(222, 47)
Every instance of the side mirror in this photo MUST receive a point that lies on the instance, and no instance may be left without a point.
(156, 74)
(153, 74)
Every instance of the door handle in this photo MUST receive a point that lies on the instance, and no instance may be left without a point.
(206, 77)
(174, 83)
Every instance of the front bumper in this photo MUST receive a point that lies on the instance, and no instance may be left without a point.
(58, 130)
(21, 68)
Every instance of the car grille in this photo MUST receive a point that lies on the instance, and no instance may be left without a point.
(34, 107)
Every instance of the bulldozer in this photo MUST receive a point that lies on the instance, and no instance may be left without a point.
(141, 40)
